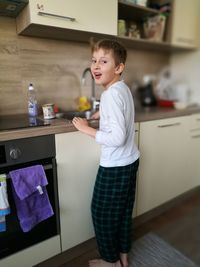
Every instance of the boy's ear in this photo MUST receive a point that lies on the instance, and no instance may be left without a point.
(119, 69)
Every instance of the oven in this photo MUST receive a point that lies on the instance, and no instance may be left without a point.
(20, 153)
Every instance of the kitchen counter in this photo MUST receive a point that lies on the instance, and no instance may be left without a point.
(62, 125)
(158, 113)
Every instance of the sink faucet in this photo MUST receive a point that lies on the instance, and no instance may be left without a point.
(94, 102)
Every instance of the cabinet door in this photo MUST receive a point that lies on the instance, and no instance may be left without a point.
(87, 15)
(185, 26)
(164, 162)
(77, 158)
(195, 148)
(134, 214)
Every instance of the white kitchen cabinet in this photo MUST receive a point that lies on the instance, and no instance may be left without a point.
(88, 15)
(77, 158)
(164, 171)
(184, 26)
(194, 131)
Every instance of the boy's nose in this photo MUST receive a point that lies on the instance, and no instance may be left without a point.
(96, 65)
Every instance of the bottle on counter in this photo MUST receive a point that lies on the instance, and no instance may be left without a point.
(32, 101)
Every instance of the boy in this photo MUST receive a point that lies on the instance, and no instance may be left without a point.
(114, 189)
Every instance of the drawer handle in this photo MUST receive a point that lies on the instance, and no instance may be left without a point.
(195, 130)
(169, 125)
(196, 136)
(41, 13)
(185, 40)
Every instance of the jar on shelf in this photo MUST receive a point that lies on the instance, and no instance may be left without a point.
(121, 27)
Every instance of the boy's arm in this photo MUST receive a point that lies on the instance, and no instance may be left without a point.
(83, 126)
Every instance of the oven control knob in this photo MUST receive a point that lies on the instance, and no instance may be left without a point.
(15, 153)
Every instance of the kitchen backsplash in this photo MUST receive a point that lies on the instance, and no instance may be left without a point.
(55, 68)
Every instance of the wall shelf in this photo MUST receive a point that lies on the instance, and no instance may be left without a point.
(126, 10)
(42, 31)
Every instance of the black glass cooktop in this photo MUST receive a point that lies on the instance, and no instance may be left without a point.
(10, 122)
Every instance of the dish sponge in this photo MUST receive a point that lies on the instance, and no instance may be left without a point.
(83, 103)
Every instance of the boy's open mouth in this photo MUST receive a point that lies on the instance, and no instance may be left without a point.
(97, 75)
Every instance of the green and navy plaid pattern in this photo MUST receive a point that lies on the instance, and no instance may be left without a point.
(112, 205)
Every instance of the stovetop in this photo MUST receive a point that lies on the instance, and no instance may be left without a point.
(11, 122)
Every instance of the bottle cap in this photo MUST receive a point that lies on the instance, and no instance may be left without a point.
(30, 86)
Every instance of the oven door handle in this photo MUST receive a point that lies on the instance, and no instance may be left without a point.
(47, 167)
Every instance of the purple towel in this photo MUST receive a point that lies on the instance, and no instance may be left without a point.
(30, 195)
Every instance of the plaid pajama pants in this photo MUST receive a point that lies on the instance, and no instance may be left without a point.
(112, 205)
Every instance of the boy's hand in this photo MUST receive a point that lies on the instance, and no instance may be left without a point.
(83, 126)
(80, 123)
(95, 116)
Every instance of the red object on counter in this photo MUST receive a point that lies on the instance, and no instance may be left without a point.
(55, 109)
(165, 103)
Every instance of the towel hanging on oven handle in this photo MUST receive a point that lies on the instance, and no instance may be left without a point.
(46, 167)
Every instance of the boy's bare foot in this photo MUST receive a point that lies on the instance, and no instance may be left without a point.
(102, 263)
(124, 259)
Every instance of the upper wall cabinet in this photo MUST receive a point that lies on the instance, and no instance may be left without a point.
(142, 27)
(48, 18)
(184, 28)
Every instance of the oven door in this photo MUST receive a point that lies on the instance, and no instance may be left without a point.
(14, 239)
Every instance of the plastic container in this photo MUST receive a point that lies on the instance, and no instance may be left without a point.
(32, 101)
(180, 105)
(165, 103)
(121, 27)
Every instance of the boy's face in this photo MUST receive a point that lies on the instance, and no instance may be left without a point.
(103, 68)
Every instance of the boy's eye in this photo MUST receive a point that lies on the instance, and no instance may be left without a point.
(103, 61)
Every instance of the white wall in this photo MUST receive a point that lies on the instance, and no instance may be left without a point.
(185, 68)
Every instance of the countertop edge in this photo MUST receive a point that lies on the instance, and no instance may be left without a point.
(58, 126)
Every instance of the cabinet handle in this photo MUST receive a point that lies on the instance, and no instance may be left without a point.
(185, 40)
(169, 125)
(195, 130)
(195, 136)
(41, 13)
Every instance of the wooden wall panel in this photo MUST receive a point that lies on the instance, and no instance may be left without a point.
(55, 68)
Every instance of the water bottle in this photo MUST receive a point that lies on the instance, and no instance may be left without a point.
(32, 101)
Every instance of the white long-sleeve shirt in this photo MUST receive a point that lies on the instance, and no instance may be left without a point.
(116, 131)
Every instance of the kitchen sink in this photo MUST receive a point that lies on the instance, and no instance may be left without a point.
(69, 115)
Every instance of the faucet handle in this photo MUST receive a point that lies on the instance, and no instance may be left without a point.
(95, 104)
